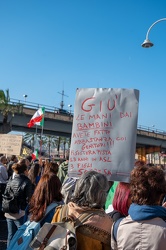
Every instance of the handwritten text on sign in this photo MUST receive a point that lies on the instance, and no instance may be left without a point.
(10, 144)
(104, 132)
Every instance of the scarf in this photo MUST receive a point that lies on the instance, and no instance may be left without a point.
(146, 212)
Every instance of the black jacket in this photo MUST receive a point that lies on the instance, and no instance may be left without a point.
(22, 188)
(9, 168)
(115, 215)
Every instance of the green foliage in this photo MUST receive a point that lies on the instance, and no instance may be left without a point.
(4, 99)
(6, 107)
(5, 104)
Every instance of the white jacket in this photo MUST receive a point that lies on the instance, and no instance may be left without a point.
(140, 235)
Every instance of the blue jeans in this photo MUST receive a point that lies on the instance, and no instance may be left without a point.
(12, 226)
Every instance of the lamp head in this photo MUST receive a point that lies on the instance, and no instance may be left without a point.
(147, 44)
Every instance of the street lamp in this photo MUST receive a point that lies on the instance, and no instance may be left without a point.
(70, 107)
(147, 43)
(25, 96)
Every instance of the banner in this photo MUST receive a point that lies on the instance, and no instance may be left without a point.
(104, 132)
(10, 144)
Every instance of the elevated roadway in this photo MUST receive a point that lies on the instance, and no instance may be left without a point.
(54, 123)
(60, 124)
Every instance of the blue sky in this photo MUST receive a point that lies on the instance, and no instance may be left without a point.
(47, 46)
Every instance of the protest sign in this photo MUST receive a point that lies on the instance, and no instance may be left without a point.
(104, 132)
(10, 144)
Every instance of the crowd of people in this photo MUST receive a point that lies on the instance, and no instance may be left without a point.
(137, 219)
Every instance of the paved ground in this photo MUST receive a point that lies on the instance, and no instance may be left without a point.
(3, 234)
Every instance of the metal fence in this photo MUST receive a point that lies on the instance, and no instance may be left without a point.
(151, 130)
(33, 105)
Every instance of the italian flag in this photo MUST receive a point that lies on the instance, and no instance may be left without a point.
(35, 154)
(38, 118)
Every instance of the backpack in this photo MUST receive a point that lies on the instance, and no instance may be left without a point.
(10, 202)
(25, 234)
(115, 227)
(60, 235)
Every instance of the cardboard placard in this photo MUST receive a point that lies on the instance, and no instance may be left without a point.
(10, 144)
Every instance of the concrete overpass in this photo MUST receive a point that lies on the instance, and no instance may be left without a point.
(60, 124)
(54, 123)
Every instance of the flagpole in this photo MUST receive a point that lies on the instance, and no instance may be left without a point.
(35, 138)
(41, 136)
(38, 119)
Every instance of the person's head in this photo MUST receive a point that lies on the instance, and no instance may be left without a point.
(91, 190)
(51, 167)
(20, 168)
(14, 158)
(147, 185)
(3, 159)
(29, 158)
(111, 183)
(60, 161)
(121, 200)
(46, 192)
(24, 161)
(139, 163)
(44, 162)
(35, 161)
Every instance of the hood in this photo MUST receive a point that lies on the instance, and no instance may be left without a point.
(145, 212)
(64, 166)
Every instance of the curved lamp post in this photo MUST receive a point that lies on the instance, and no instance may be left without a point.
(147, 43)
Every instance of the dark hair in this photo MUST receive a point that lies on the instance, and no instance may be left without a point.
(19, 168)
(121, 198)
(147, 185)
(3, 159)
(51, 167)
(13, 157)
(139, 163)
(46, 192)
(29, 158)
(22, 161)
(67, 157)
(91, 190)
(33, 172)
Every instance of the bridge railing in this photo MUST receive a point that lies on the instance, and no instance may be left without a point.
(36, 106)
(54, 109)
(158, 133)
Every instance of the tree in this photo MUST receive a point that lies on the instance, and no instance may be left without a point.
(5, 108)
(4, 104)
